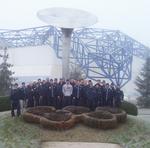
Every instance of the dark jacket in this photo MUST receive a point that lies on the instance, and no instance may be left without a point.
(15, 95)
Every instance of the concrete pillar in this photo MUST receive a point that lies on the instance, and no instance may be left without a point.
(66, 46)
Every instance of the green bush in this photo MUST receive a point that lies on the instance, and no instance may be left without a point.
(4, 103)
(130, 108)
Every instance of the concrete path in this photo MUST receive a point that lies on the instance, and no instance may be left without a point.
(5, 112)
(144, 114)
(78, 145)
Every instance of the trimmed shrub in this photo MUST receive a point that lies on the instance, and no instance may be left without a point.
(31, 118)
(119, 113)
(130, 108)
(40, 110)
(59, 115)
(60, 119)
(34, 114)
(5, 103)
(77, 111)
(100, 119)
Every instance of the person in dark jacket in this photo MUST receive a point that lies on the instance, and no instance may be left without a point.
(36, 94)
(15, 100)
(23, 96)
(51, 93)
(83, 98)
(90, 95)
(113, 89)
(103, 91)
(44, 93)
(119, 96)
(76, 95)
(108, 95)
(98, 99)
(40, 91)
(55, 89)
(30, 94)
(60, 93)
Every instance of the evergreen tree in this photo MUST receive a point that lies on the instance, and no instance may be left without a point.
(5, 74)
(143, 85)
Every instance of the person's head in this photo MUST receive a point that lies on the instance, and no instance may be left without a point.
(97, 85)
(107, 85)
(103, 82)
(67, 81)
(112, 85)
(77, 82)
(118, 86)
(55, 80)
(34, 83)
(82, 82)
(43, 82)
(39, 80)
(30, 85)
(23, 84)
(47, 79)
(72, 81)
(60, 80)
(99, 81)
(85, 82)
(15, 85)
(90, 82)
(51, 81)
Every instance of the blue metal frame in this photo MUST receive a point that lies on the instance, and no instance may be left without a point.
(101, 53)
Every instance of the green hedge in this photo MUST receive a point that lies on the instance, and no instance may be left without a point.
(130, 108)
(4, 103)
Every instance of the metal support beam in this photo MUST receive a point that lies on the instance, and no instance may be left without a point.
(101, 53)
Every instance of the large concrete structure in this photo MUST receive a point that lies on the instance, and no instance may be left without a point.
(109, 50)
(67, 19)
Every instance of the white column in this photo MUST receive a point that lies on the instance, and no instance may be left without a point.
(66, 46)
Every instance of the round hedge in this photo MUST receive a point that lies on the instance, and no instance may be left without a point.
(61, 119)
(100, 119)
(5, 103)
(77, 111)
(130, 108)
(119, 113)
(34, 114)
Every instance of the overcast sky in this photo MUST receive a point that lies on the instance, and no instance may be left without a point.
(130, 16)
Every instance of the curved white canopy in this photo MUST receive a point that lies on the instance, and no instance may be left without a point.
(67, 17)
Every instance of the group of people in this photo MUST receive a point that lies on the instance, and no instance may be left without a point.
(62, 93)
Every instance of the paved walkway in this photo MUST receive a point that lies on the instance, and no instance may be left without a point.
(78, 145)
(144, 114)
(4, 113)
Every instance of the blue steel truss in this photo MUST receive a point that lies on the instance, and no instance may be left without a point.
(101, 53)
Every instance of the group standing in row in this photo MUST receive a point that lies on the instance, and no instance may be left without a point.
(62, 93)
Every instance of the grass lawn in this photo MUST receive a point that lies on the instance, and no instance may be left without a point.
(15, 133)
